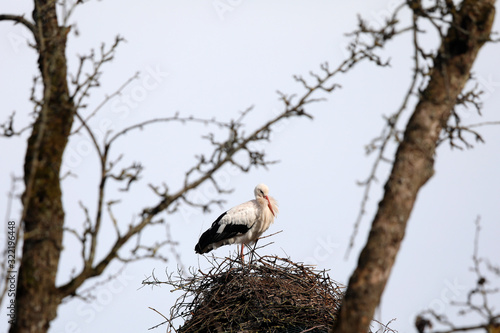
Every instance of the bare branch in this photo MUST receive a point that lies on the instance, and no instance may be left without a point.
(129, 174)
(8, 127)
(91, 134)
(19, 19)
(166, 320)
(84, 82)
(476, 302)
(87, 294)
(389, 131)
(67, 11)
(176, 117)
(106, 99)
(112, 217)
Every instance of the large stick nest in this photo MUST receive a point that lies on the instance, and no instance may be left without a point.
(269, 294)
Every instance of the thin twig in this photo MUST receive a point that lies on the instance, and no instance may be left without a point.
(168, 320)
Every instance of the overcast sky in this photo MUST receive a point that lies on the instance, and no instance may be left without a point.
(216, 58)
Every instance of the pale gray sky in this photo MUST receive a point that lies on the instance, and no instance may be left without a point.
(197, 59)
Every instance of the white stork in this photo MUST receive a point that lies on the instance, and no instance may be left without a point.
(243, 224)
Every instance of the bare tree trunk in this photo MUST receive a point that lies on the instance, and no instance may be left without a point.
(37, 298)
(414, 161)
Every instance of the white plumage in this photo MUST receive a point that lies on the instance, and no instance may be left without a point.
(242, 224)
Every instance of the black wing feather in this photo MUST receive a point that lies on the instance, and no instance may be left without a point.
(212, 236)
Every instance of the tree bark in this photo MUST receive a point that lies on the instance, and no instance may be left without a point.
(414, 162)
(37, 298)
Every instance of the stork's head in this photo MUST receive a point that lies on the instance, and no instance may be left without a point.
(262, 191)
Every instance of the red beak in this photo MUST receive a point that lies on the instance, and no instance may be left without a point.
(269, 205)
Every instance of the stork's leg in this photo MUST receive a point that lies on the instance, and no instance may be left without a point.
(242, 245)
(252, 252)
